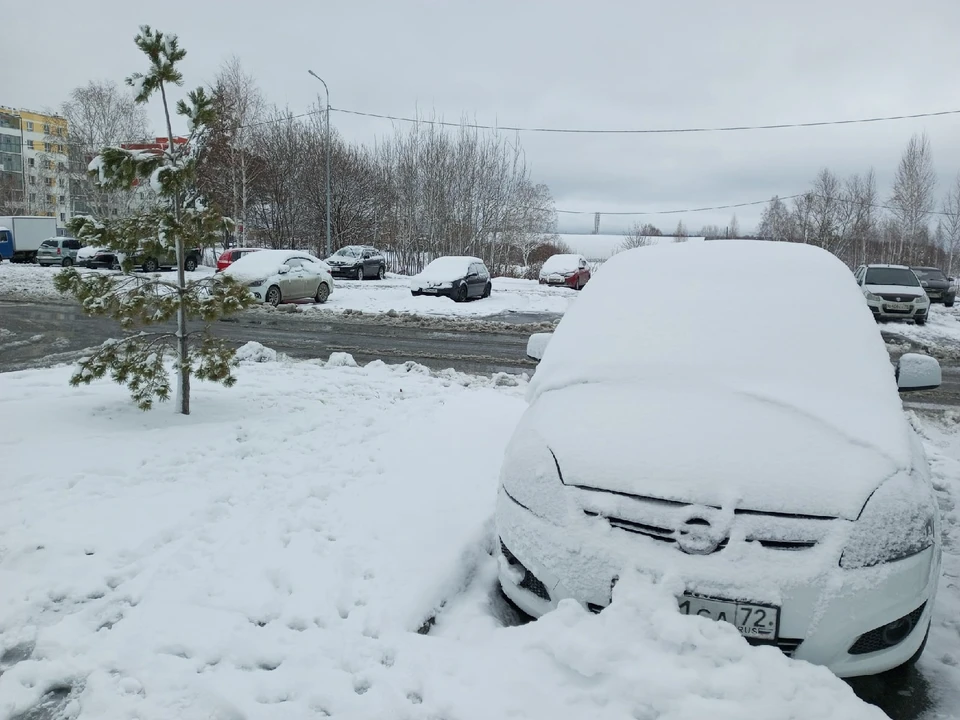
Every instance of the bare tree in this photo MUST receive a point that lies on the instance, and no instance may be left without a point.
(776, 222)
(99, 114)
(913, 198)
(711, 231)
(951, 223)
(681, 232)
(733, 229)
(637, 237)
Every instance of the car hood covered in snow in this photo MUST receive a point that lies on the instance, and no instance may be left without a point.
(441, 270)
(560, 264)
(777, 412)
(711, 446)
(904, 290)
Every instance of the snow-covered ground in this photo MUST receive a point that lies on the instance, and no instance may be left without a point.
(274, 554)
(943, 328)
(371, 296)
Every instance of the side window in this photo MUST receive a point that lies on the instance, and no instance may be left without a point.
(293, 263)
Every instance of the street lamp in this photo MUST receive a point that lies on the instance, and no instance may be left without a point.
(327, 143)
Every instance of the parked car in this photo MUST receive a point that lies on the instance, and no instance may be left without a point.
(58, 251)
(769, 473)
(939, 288)
(567, 270)
(147, 262)
(893, 292)
(278, 276)
(86, 254)
(231, 256)
(358, 262)
(458, 277)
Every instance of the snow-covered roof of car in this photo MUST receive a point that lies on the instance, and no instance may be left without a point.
(263, 264)
(448, 268)
(766, 325)
(561, 263)
(888, 265)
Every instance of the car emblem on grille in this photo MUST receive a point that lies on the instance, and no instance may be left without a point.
(898, 298)
(700, 534)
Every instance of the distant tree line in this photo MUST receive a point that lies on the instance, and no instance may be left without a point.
(851, 219)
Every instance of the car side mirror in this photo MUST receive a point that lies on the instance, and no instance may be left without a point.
(537, 345)
(918, 372)
(472, 275)
(283, 269)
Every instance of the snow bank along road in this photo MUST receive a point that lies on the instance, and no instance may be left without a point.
(34, 334)
(274, 554)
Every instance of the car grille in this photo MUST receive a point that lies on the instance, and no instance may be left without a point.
(897, 298)
(788, 646)
(665, 521)
(873, 640)
(530, 582)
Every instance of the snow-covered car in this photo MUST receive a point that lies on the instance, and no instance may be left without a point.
(766, 473)
(567, 270)
(938, 287)
(278, 276)
(86, 254)
(456, 276)
(893, 292)
(358, 262)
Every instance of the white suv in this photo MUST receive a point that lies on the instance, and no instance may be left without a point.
(893, 292)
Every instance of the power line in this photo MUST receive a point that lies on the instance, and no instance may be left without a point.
(649, 131)
(674, 212)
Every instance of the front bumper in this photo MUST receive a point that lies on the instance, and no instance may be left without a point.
(344, 271)
(942, 296)
(823, 610)
(434, 292)
(885, 310)
(559, 282)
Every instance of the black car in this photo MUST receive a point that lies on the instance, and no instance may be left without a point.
(460, 278)
(111, 259)
(939, 288)
(357, 262)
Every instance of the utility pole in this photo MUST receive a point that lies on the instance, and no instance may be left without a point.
(327, 144)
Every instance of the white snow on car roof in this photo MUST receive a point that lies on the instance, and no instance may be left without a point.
(444, 269)
(804, 341)
(561, 263)
(265, 263)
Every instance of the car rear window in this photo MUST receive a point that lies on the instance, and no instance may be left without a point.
(49, 243)
(891, 276)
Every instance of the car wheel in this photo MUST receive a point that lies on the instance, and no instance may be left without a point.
(461, 295)
(381, 273)
(150, 265)
(360, 273)
(948, 304)
(921, 321)
(190, 264)
(415, 293)
(115, 265)
(67, 262)
(487, 290)
(323, 292)
(273, 295)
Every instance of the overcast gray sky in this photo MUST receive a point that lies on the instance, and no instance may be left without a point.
(560, 63)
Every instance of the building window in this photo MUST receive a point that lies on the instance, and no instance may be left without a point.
(63, 183)
(29, 125)
(62, 199)
(61, 167)
(52, 199)
(30, 144)
(46, 128)
(30, 162)
(46, 147)
(63, 217)
(59, 130)
(33, 179)
(60, 149)
(33, 197)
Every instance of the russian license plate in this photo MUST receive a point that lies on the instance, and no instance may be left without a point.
(899, 306)
(430, 291)
(761, 622)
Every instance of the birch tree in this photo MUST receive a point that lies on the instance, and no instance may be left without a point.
(181, 219)
(912, 198)
(951, 223)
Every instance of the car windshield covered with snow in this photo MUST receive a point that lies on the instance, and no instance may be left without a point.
(561, 264)
(930, 274)
(892, 276)
(351, 251)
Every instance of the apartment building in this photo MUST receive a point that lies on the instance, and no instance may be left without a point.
(34, 154)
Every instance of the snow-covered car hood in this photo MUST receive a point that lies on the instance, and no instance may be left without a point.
(88, 252)
(560, 265)
(903, 290)
(716, 447)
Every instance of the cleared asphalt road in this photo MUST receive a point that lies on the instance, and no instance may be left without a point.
(33, 335)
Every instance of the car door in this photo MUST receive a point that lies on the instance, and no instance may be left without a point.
(293, 283)
(312, 276)
(476, 281)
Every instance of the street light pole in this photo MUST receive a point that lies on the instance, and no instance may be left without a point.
(327, 143)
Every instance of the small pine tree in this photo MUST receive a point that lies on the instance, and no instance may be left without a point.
(178, 221)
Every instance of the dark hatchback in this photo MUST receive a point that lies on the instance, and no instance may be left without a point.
(939, 288)
(110, 259)
(357, 262)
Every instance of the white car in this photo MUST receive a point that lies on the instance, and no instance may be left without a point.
(276, 276)
(893, 292)
(765, 471)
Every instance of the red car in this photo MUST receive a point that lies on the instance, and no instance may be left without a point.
(231, 256)
(570, 271)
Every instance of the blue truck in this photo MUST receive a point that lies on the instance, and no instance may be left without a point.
(20, 236)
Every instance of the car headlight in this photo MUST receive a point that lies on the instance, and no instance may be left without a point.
(256, 283)
(920, 299)
(872, 298)
(445, 285)
(530, 477)
(899, 520)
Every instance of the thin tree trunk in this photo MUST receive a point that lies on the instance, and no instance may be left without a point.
(183, 367)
